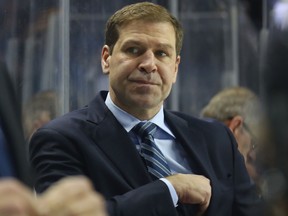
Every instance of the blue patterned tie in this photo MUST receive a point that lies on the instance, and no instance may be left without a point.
(155, 160)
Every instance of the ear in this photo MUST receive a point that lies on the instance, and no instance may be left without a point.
(178, 58)
(235, 124)
(105, 58)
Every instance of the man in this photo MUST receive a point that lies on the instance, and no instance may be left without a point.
(240, 110)
(105, 140)
(70, 196)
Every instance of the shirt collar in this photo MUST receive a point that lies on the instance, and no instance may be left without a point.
(128, 121)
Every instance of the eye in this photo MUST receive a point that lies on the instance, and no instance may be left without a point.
(133, 50)
(161, 53)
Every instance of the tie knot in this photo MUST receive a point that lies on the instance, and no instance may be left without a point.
(144, 129)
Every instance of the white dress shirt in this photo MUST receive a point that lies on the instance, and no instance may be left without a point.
(164, 139)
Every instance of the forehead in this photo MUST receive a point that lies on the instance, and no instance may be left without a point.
(162, 32)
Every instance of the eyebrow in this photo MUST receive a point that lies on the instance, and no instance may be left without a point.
(132, 42)
(139, 43)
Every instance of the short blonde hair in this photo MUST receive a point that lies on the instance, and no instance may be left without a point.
(234, 101)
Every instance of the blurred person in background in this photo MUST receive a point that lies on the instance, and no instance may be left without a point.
(70, 196)
(39, 110)
(240, 110)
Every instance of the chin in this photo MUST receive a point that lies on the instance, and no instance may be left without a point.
(141, 102)
(145, 99)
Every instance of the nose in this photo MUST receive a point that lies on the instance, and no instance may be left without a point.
(148, 62)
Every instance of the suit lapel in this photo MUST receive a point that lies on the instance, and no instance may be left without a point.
(193, 142)
(116, 144)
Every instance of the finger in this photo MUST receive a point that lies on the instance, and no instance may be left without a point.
(202, 209)
(205, 204)
(14, 206)
(63, 193)
(16, 199)
(90, 204)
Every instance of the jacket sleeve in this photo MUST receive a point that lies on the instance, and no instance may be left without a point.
(151, 199)
(53, 157)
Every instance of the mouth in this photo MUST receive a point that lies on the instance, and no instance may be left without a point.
(143, 82)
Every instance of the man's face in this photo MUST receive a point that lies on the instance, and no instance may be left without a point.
(142, 67)
(246, 141)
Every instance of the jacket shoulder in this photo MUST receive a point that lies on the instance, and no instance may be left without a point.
(197, 121)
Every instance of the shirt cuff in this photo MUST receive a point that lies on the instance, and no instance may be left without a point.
(172, 191)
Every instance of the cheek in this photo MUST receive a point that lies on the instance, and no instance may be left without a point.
(172, 73)
(123, 65)
(168, 73)
(247, 143)
(243, 143)
(118, 69)
(170, 77)
(174, 77)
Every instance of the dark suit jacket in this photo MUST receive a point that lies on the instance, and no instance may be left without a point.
(92, 142)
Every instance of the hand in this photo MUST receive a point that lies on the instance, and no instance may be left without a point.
(192, 189)
(16, 199)
(72, 196)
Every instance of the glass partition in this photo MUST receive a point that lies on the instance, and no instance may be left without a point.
(52, 49)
